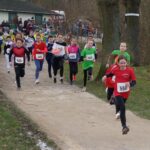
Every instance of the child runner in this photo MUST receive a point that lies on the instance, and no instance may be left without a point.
(73, 58)
(49, 54)
(7, 47)
(109, 84)
(19, 60)
(39, 50)
(88, 56)
(124, 79)
(90, 37)
(59, 51)
(116, 53)
(29, 41)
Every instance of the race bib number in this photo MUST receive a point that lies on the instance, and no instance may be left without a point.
(90, 57)
(123, 87)
(39, 56)
(8, 50)
(19, 60)
(72, 56)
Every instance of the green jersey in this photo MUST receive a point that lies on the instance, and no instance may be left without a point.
(88, 55)
(124, 53)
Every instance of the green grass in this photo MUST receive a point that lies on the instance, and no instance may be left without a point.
(14, 127)
(139, 100)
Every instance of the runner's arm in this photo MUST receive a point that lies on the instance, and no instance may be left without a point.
(27, 54)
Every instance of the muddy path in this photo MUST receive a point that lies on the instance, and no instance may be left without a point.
(73, 119)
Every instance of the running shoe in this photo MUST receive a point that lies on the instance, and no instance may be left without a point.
(55, 80)
(117, 116)
(84, 89)
(37, 81)
(125, 130)
(74, 77)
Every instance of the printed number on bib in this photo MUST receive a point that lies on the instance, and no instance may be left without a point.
(123, 87)
(8, 50)
(90, 57)
(39, 56)
(72, 56)
(19, 60)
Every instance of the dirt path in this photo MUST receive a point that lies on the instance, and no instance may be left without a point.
(75, 120)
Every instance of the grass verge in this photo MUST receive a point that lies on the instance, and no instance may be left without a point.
(17, 132)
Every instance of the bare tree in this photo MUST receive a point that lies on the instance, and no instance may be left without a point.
(109, 10)
(132, 28)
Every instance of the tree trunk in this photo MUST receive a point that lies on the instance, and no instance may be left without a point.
(109, 10)
(132, 29)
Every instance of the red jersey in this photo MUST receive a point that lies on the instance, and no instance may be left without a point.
(43, 49)
(122, 78)
(108, 82)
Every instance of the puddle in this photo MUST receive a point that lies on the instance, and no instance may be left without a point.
(43, 146)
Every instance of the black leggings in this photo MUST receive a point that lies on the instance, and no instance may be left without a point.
(109, 93)
(120, 106)
(58, 63)
(87, 72)
(73, 66)
(49, 62)
(20, 72)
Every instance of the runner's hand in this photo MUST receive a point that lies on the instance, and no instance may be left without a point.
(104, 78)
(107, 65)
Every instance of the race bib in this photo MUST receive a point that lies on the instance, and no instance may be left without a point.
(8, 50)
(39, 56)
(122, 87)
(19, 60)
(72, 55)
(90, 57)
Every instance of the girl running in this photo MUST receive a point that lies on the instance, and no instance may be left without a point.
(124, 78)
(88, 56)
(49, 54)
(59, 51)
(19, 60)
(109, 84)
(29, 41)
(73, 58)
(39, 50)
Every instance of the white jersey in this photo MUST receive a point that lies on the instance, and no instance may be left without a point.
(59, 48)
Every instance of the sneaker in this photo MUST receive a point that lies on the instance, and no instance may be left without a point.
(61, 80)
(89, 77)
(84, 89)
(125, 130)
(55, 80)
(50, 75)
(71, 82)
(117, 115)
(37, 81)
(74, 77)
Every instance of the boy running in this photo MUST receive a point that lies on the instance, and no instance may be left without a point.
(19, 60)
